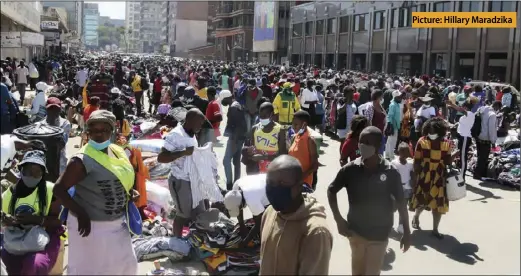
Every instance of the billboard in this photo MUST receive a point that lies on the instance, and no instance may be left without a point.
(265, 26)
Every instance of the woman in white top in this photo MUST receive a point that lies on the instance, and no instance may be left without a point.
(464, 132)
(38, 109)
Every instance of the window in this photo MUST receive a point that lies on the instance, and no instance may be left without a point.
(502, 6)
(297, 30)
(361, 22)
(469, 6)
(344, 24)
(402, 17)
(394, 18)
(309, 28)
(320, 27)
(379, 20)
(331, 26)
(442, 7)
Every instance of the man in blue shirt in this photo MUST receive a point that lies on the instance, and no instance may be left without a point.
(7, 110)
(480, 94)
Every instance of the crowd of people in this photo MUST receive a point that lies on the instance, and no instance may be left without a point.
(403, 131)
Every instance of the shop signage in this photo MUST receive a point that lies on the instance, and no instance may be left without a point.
(32, 39)
(10, 40)
(50, 25)
(50, 35)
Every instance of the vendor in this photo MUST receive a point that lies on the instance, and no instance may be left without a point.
(30, 202)
(248, 191)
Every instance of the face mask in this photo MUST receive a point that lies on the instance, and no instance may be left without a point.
(279, 197)
(427, 104)
(302, 130)
(99, 146)
(433, 136)
(30, 182)
(264, 122)
(366, 151)
(382, 101)
(398, 100)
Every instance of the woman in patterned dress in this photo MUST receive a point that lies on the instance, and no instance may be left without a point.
(431, 157)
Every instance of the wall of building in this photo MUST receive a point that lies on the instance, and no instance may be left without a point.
(378, 36)
(91, 24)
(190, 34)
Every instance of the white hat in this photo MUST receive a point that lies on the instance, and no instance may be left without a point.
(42, 86)
(397, 83)
(233, 202)
(224, 94)
(396, 93)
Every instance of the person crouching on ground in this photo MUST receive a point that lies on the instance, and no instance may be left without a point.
(248, 191)
(303, 245)
(180, 143)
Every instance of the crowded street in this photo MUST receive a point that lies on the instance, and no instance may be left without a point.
(260, 138)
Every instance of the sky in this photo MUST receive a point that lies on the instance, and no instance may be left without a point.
(114, 10)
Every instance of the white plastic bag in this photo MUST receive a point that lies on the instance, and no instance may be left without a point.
(150, 145)
(157, 194)
(456, 189)
(146, 126)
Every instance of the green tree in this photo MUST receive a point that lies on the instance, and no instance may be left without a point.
(108, 35)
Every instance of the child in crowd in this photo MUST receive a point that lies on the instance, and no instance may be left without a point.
(404, 164)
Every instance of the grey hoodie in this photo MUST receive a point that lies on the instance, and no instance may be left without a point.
(488, 124)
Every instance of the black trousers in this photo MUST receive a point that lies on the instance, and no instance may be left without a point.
(483, 148)
(139, 97)
(463, 147)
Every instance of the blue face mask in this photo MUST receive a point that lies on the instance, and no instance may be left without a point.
(279, 197)
(99, 146)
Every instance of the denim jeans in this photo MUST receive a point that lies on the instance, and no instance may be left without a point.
(232, 154)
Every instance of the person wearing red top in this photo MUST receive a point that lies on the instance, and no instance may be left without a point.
(499, 93)
(350, 146)
(213, 111)
(156, 95)
(94, 104)
(296, 87)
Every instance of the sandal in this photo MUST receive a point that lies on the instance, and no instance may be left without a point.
(416, 223)
(437, 235)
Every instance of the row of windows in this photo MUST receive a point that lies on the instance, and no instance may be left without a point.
(400, 17)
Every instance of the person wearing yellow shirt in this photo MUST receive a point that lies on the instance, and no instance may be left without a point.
(201, 89)
(285, 104)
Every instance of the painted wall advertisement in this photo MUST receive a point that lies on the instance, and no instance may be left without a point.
(265, 26)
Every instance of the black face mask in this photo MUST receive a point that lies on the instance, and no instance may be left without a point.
(398, 100)
(279, 197)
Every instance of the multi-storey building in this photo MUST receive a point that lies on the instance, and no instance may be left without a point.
(233, 23)
(75, 16)
(133, 26)
(91, 24)
(107, 21)
(378, 36)
(150, 26)
(185, 25)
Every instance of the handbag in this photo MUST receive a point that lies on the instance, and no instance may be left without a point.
(455, 187)
(19, 241)
(389, 130)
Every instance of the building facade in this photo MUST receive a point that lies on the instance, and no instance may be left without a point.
(150, 26)
(132, 26)
(91, 24)
(377, 36)
(20, 30)
(75, 18)
(107, 21)
(233, 23)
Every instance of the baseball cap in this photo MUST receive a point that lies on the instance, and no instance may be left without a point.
(225, 94)
(233, 202)
(53, 101)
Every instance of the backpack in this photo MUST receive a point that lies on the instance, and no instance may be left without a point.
(144, 84)
(476, 127)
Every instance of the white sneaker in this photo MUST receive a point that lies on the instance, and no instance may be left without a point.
(399, 229)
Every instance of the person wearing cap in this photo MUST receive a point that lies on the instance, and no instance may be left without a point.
(394, 119)
(286, 104)
(103, 179)
(26, 204)
(248, 191)
(54, 106)
(38, 109)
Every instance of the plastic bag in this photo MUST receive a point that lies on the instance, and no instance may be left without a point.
(157, 194)
(152, 145)
(146, 126)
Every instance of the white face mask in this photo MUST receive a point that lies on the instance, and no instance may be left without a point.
(382, 101)
(264, 122)
(433, 136)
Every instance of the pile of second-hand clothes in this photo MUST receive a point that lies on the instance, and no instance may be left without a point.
(504, 167)
(215, 239)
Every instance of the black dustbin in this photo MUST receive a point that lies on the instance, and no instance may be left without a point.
(52, 137)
